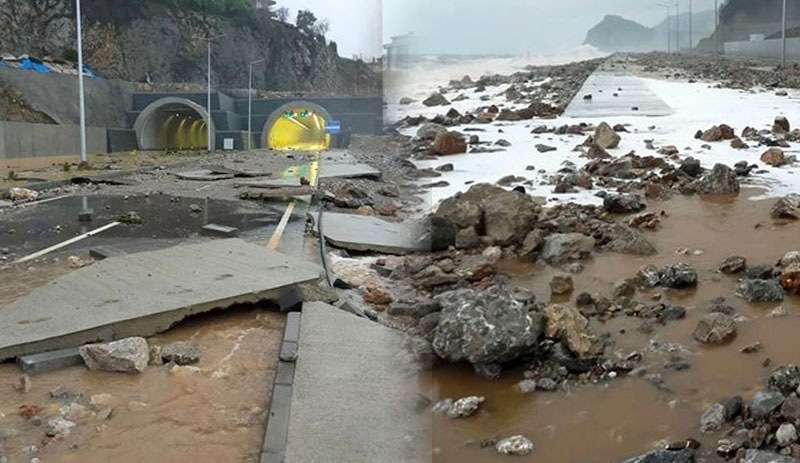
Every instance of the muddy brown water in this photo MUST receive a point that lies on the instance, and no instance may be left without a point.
(625, 417)
(215, 413)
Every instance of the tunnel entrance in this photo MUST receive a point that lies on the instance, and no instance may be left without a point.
(299, 125)
(174, 124)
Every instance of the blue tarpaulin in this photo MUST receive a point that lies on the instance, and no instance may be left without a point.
(31, 65)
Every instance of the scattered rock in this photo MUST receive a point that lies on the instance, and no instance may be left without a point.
(58, 427)
(623, 204)
(560, 248)
(429, 131)
(407, 101)
(774, 157)
(785, 379)
(545, 148)
(762, 456)
(625, 240)
(684, 455)
(129, 355)
(436, 99)
(733, 265)
(449, 143)
(713, 418)
(712, 134)
(561, 284)
(181, 353)
(790, 279)
(515, 445)
(567, 324)
(465, 407)
(691, 167)
(679, 276)
(787, 207)
(760, 291)
(605, 136)
(526, 386)
(781, 125)
(377, 296)
(764, 403)
(721, 180)
(715, 328)
(485, 327)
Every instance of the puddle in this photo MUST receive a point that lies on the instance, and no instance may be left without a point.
(36, 227)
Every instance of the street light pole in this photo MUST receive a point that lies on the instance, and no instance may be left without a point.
(208, 101)
(783, 36)
(250, 105)
(677, 28)
(691, 43)
(716, 27)
(669, 26)
(81, 100)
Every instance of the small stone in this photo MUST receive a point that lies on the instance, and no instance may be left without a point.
(195, 209)
(561, 284)
(713, 418)
(443, 406)
(547, 384)
(715, 328)
(786, 435)
(181, 353)
(754, 348)
(24, 384)
(678, 276)
(58, 427)
(515, 445)
(527, 386)
(465, 407)
(129, 355)
(733, 264)
(779, 311)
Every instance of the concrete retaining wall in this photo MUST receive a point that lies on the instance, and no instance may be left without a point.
(764, 49)
(22, 140)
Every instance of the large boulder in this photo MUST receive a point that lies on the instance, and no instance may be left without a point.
(765, 402)
(436, 99)
(449, 143)
(605, 136)
(485, 327)
(623, 204)
(568, 325)
(760, 291)
(509, 216)
(130, 355)
(430, 130)
(721, 180)
(678, 276)
(781, 125)
(787, 208)
(625, 240)
(563, 247)
(774, 157)
(712, 134)
(461, 211)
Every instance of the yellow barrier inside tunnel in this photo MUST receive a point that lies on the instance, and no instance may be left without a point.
(299, 129)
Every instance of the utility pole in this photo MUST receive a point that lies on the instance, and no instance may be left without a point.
(691, 42)
(716, 27)
(81, 96)
(783, 36)
(677, 28)
(250, 105)
(669, 26)
(208, 101)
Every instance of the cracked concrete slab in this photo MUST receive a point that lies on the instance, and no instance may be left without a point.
(366, 233)
(146, 293)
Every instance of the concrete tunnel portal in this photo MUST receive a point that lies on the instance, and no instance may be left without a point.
(174, 123)
(298, 125)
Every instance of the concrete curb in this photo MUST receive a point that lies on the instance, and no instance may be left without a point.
(274, 446)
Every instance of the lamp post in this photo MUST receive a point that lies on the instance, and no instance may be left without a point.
(669, 26)
(677, 28)
(716, 27)
(208, 106)
(81, 101)
(691, 43)
(250, 105)
(783, 36)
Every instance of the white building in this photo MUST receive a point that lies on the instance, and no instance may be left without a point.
(398, 51)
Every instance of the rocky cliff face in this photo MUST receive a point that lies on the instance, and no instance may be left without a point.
(127, 40)
(615, 33)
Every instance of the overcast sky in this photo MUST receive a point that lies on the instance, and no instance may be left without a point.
(477, 26)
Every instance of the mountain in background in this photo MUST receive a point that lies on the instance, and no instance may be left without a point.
(615, 33)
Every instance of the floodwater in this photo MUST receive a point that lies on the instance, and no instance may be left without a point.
(163, 217)
(628, 416)
(214, 413)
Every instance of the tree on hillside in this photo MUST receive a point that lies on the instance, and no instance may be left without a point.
(321, 27)
(282, 14)
(305, 21)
